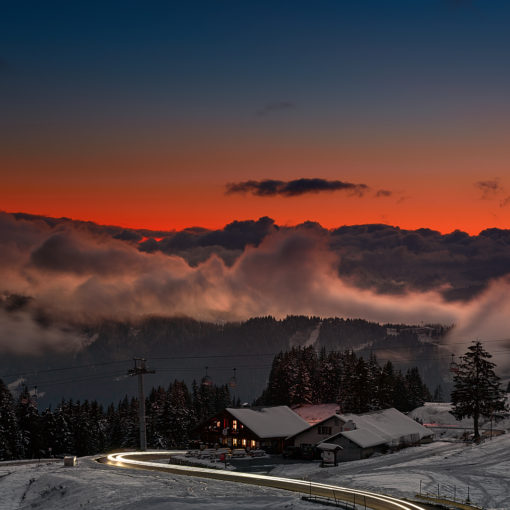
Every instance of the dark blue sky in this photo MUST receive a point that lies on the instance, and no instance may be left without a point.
(99, 83)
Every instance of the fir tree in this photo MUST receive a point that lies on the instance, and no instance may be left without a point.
(9, 433)
(477, 391)
(438, 394)
(180, 415)
(386, 386)
(417, 392)
(28, 424)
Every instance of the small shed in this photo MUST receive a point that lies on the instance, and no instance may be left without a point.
(329, 453)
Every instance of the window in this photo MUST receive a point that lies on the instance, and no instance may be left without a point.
(234, 424)
(324, 431)
(218, 424)
(234, 441)
(244, 442)
(252, 443)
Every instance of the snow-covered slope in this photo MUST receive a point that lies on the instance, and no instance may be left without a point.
(96, 486)
(454, 466)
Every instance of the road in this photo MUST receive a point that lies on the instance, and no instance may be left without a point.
(143, 460)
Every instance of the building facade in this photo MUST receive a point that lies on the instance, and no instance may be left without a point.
(263, 428)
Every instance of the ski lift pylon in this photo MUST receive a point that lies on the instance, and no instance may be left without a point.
(233, 381)
(206, 380)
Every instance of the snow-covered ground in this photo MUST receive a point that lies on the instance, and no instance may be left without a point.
(484, 468)
(455, 466)
(448, 463)
(95, 486)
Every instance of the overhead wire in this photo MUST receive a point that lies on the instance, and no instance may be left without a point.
(386, 350)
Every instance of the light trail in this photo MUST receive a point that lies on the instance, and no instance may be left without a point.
(360, 497)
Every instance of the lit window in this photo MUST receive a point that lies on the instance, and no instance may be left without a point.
(218, 424)
(234, 441)
(244, 442)
(234, 424)
(252, 444)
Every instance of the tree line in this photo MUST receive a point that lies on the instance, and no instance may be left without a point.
(303, 375)
(298, 376)
(87, 428)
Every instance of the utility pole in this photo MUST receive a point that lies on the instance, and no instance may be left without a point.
(140, 369)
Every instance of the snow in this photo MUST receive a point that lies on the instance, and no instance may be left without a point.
(328, 447)
(315, 413)
(455, 466)
(268, 422)
(380, 427)
(91, 485)
(436, 416)
(485, 468)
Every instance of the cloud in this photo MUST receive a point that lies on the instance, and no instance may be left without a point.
(383, 193)
(505, 202)
(489, 188)
(272, 108)
(297, 187)
(75, 275)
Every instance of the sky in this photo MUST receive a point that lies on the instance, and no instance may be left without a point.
(167, 115)
(290, 132)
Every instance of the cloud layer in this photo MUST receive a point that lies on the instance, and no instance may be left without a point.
(78, 272)
(270, 187)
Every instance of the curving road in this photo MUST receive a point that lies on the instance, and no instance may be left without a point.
(143, 460)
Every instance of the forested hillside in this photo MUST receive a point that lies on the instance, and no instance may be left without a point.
(182, 348)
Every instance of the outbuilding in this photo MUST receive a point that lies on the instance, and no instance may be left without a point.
(377, 431)
(361, 435)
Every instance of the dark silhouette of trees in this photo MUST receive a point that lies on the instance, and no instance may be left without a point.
(85, 428)
(303, 376)
(477, 391)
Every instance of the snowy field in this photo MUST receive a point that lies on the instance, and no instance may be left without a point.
(484, 468)
(95, 486)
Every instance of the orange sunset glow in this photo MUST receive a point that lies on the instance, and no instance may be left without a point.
(150, 130)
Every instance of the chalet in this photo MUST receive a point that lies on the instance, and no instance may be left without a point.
(361, 435)
(314, 413)
(255, 428)
(317, 432)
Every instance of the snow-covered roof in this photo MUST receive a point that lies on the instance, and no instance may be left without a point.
(315, 413)
(279, 421)
(381, 427)
(329, 446)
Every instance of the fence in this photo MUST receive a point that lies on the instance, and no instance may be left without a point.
(463, 495)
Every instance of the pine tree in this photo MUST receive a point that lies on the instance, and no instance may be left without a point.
(9, 433)
(386, 386)
(179, 414)
(417, 392)
(438, 394)
(328, 377)
(400, 393)
(355, 393)
(373, 378)
(29, 425)
(477, 391)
